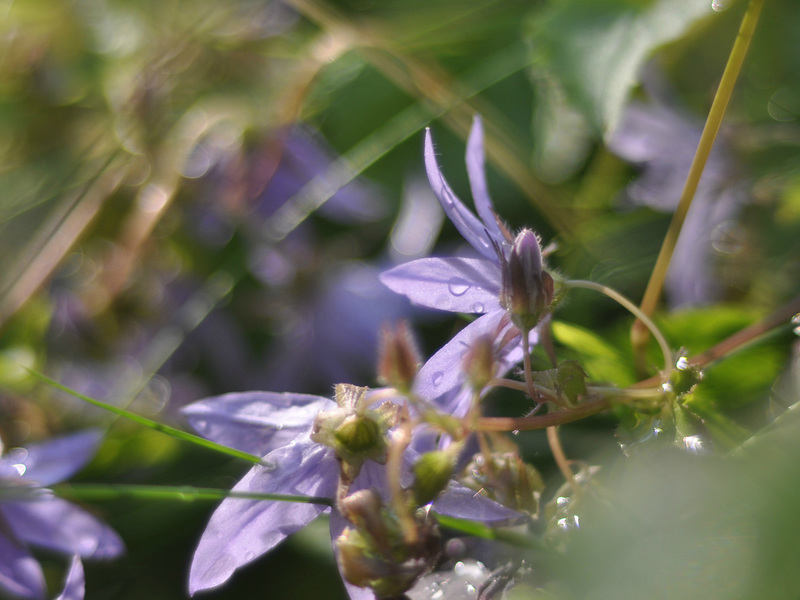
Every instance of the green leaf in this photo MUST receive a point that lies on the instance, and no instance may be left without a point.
(171, 431)
(599, 359)
(596, 48)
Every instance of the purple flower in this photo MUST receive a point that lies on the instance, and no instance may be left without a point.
(279, 427)
(662, 141)
(31, 516)
(464, 285)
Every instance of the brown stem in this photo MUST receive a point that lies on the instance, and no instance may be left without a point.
(584, 410)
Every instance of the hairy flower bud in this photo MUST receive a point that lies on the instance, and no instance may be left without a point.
(398, 357)
(479, 362)
(527, 289)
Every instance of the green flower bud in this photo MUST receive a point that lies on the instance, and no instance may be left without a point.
(432, 473)
(357, 435)
(398, 357)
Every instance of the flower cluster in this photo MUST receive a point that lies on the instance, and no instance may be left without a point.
(381, 455)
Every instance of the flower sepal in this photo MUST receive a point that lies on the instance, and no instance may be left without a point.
(355, 431)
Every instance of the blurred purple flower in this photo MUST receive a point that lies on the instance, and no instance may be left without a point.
(463, 285)
(30, 515)
(662, 141)
(278, 427)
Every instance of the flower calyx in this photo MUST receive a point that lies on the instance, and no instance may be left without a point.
(355, 431)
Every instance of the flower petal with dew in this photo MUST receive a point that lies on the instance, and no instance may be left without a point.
(456, 284)
(241, 530)
(442, 378)
(30, 515)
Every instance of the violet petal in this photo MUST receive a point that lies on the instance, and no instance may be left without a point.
(20, 573)
(57, 525)
(75, 584)
(466, 285)
(242, 530)
(467, 223)
(255, 422)
(476, 171)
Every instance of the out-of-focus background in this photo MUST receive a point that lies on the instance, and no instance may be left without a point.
(197, 198)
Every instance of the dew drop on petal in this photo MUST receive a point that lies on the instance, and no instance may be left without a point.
(437, 378)
(458, 287)
(20, 468)
(720, 5)
(796, 323)
(478, 307)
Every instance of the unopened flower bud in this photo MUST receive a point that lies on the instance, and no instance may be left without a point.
(479, 362)
(374, 552)
(432, 473)
(398, 357)
(527, 290)
(358, 434)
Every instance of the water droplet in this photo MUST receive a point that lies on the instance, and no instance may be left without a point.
(567, 523)
(796, 323)
(478, 307)
(720, 5)
(470, 589)
(249, 555)
(783, 105)
(437, 594)
(682, 364)
(437, 378)
(458, 287)
(728, 238)
(694, 444)
(562, 501)
(20, 469)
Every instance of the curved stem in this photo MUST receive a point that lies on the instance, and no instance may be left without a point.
(561, 458)
(615, 295)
